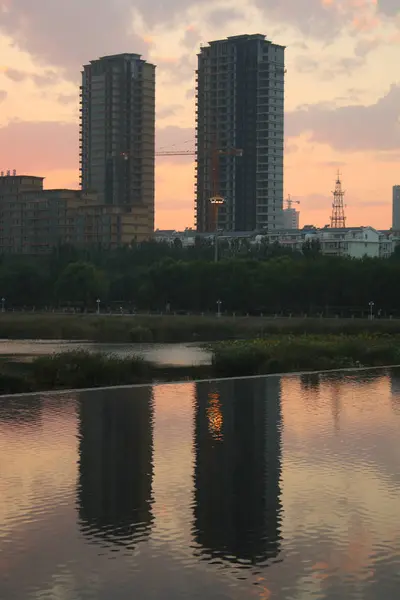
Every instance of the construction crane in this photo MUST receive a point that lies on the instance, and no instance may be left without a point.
(175, 153)
(289, 202)
(216, 200)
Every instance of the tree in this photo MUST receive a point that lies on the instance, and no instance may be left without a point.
(81, 282)
(311, 248)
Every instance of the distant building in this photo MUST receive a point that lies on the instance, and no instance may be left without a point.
(117, 132)
(396, 208)
(240, 107)
(355, 242)
(291, 218)
(34, 220)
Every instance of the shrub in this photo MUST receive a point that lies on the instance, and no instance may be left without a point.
(140, 334)
(78, 369)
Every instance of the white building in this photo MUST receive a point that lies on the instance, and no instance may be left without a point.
(291, 218)
(355, 242)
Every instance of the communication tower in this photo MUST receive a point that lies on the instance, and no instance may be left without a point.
(338, 219)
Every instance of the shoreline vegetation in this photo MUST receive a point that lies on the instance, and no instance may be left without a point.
(178, 328)
(284, 353)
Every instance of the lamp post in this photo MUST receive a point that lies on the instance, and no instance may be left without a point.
(98, 305)
(371, 308)
(216, 202)
(219, 308)
(3, 302)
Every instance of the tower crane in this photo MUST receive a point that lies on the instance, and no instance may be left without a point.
(289, 201)
(216, 200)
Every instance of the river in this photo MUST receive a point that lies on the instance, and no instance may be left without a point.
(270, 487)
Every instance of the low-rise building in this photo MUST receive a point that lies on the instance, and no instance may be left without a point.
(355, 242)
(34, 220)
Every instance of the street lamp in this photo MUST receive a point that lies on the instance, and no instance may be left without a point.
(371, 308)
(216, 202)
(219, 308)
(3, 302)
(98, 305)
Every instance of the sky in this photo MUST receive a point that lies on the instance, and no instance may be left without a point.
(342, 95)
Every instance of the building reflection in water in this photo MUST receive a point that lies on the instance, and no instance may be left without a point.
(237, 502)
(394, 378)
(115, 465)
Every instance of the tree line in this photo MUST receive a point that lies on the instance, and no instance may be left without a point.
(154, 276)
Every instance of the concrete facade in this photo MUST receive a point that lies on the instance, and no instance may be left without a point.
(240, 105)
(117, 132)
(396, 208)
(291, 218)
(34, 220)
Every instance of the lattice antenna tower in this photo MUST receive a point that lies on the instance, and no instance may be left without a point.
(338, 219)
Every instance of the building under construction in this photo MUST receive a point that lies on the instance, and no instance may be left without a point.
(240, 117)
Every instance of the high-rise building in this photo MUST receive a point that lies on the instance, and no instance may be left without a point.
(396, 208)
(291, 218)
(240, 107)
(117, 133)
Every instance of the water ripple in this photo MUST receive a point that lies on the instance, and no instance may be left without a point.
(261, 488)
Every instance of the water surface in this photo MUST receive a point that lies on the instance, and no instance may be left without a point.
(271, 487)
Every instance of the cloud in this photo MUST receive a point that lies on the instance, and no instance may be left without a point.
(16, 75)
(34, 148)
(45, 79)
(69, 34)
(390, 8)
(313, 18)
(67, 98)
(168, 111)
(174, 138)
(192, 38)
(365, 46)
(3, 95)
(306, 64)
(350, 128)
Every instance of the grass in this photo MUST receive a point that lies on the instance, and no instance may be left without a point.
(172, 328)
(73, 370)
(83, 369)
(289, 353)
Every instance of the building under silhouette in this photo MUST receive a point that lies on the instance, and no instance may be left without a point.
(240, 107)
(117, 135)
(238, 467)
(115, 464)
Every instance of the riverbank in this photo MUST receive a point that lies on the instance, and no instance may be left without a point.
(287, 353)
(277, 354)
(83, 369)
(171, 328)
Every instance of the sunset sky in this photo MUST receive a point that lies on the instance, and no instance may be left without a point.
(342, 91)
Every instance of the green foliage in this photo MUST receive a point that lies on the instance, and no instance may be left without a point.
(303, 353)
(80, 369)
(81, 282)
(140, 334)
(266, 278)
